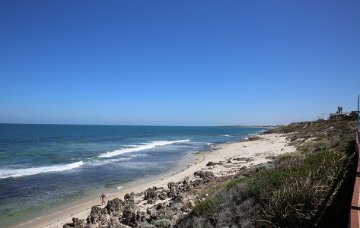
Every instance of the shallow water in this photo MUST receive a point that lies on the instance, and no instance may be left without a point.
(45, 166)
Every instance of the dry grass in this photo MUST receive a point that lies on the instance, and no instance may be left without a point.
(300, 195)
(294, 192)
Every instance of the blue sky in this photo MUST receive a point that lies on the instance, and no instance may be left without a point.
(177, 62)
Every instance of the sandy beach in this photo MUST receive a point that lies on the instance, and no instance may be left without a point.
(226, 160)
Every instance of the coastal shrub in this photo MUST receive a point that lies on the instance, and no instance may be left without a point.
(293, 204)
(289, 195)
(236, 194)
(226, 208)
(163, 223)
(296, 190)
(304, 191)
(260, 183)
(207, 207)
(326, 134)
(235, 182)
(324, 165)
(288, 162)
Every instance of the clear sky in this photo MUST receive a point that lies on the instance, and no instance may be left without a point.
(177, 62)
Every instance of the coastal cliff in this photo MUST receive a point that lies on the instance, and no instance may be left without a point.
(267, 186)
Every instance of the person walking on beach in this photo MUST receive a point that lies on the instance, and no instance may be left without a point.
(103, 198)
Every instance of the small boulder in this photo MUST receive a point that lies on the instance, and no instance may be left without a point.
(129, 197)
(95, 215)
(173, 187)
(150, 194)
(77, 223)
(196, 182)
(211, 163)
(114, 207)
(162, 195)
(206, 176)
(129, 217)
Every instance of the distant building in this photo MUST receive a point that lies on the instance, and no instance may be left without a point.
(343, 115)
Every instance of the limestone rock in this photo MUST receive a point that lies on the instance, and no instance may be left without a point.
(129, 217)
(77, 223)
(129, 197)
(150, 194)
(211, 163)
(205, 175)
(115, 207)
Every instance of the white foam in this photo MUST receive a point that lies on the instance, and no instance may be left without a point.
(145, 146)
(105, 162)
(226, 135)
(6, 173)
(119, 187)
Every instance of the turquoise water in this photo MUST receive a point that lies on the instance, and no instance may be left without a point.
(44, 166)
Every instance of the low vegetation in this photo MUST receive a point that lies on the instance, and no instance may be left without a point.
(304, 189)
(293, 196)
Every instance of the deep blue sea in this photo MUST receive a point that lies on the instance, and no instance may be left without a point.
(44, 166)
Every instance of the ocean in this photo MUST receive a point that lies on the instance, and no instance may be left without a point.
(45, 166)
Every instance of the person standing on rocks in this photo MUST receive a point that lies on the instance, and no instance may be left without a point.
(103, 198)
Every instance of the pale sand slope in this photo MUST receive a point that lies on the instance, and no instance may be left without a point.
(232, 157)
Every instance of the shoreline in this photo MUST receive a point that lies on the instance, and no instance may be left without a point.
(81, 208)
(243, 153)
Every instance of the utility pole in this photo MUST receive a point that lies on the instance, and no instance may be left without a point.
(358, 115)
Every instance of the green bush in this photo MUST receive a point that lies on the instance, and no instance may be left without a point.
(299, 196)
(260, 183)
(207, 207)
(235, 182)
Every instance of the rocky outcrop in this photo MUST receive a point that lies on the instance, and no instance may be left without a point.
(150, 195)
(97, 215)
(206, 176)
(159, 207)
(77, 223)
(114, 207)
(173, 187)
(129, 217)
(162, 195)
(129, 197)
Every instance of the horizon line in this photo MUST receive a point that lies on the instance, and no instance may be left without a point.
(147, 125)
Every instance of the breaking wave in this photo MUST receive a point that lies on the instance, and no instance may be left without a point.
(6, 173)
(140, 148)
